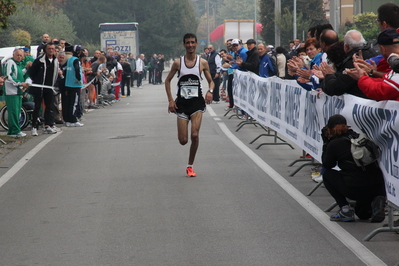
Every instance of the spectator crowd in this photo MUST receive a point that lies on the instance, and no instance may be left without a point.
(62, 82)
(326, 64)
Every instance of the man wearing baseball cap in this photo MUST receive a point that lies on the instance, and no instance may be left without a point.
(384, 88)
(239, 51)
(252, 62)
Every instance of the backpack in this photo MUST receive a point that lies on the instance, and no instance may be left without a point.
(273, 59)
(364, 151)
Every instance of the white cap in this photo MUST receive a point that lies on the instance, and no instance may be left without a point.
(235, 41)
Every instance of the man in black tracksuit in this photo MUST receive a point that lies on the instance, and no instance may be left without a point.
(44, 71)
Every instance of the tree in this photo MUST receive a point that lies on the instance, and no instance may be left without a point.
(162, 23)
(286, 24)
(38, 20)
(237, 10)
(200, 7)
(7, 8)
(21, 37)
(365, 23)
(311, 10)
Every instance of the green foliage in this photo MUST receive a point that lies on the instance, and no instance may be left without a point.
(308, 10)
(367, 25)
(162, 23)
(237, 9)
(21, 37)
(91, 47)
(37, 20)
(7, 8)
(201, 8)
(286, 23)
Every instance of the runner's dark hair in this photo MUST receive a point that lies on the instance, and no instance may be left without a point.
(188, 36)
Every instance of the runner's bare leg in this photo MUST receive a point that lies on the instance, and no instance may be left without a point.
(196, 120)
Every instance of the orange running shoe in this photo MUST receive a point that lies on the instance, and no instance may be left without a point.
(190, 172)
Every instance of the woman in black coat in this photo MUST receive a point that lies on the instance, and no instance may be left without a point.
(366, 187)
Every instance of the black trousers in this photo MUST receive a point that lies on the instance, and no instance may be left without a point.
(340, 191)
(125, 83)
(230, 90)
(47, 97)
(70, 100)
(159, 76)
(216, 96)
(133, 76)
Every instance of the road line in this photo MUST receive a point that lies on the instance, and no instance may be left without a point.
(363, 253)
(210, 111)
(16, 167)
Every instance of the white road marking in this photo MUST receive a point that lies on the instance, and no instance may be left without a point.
(16, 167)
(210, 111)
(363, 253)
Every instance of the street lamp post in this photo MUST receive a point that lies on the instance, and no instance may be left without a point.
(277, 28)
(294, 15)
(207, 20)
(255, 33)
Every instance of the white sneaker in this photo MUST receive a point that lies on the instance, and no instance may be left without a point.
(49, 130)
(19, 135)
(318, 178)
(56, 128)
(77, 124)
(34, 132)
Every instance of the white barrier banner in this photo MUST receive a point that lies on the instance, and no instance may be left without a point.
(299, 115)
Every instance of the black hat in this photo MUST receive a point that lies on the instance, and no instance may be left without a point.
(68, 47)
(388, 37)
(336, 120)
(251, 41)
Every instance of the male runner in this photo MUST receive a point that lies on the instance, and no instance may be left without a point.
(190, 103)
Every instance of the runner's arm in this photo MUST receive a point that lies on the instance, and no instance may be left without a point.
(172, 105)
(207, 73)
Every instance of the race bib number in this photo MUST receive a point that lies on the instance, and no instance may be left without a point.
(188, 92)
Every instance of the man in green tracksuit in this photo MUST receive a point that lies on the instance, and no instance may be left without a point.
(15, 84)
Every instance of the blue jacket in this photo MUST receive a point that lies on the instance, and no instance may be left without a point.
(243, 54)
(265, 66)
(73, 77)
(314, 81)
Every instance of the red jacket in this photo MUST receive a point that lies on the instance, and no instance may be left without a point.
(380, 89)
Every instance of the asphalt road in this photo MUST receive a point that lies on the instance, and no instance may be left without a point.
(114, 192)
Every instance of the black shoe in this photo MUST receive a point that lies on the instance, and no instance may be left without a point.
(59, 122)
(378, 209)
(341, 216)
